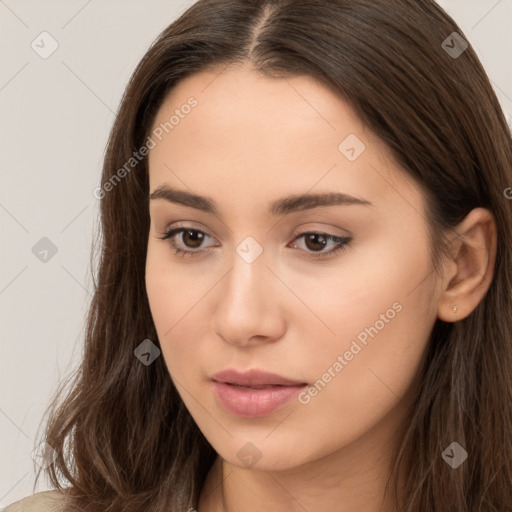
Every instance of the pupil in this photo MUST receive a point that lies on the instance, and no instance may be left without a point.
(315, 238)
(196, 237)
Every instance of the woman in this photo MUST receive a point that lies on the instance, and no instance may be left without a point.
(305, 287)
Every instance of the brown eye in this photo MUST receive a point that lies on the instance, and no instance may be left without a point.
(315, 241)
(192, 238)
(190, 243)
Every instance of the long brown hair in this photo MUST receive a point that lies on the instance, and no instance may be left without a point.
(123, 437)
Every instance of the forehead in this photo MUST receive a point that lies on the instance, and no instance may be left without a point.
(266, 135)
(243, 97)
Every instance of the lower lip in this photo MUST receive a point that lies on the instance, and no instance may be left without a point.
(254, 403)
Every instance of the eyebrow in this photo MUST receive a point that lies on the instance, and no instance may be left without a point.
(280, 207)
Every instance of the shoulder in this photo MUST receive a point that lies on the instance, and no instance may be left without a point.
(47, 501)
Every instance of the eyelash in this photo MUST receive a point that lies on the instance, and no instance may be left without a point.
(342, 242)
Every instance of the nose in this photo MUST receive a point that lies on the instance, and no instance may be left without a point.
(250, 304)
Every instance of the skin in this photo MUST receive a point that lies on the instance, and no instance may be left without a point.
(250, 141)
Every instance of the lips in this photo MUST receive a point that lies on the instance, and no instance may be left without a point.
(256, 379)
(254, 393)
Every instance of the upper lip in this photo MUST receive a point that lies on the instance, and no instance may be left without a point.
(253, 377)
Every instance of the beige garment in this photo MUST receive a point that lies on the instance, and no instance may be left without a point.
(47, 501)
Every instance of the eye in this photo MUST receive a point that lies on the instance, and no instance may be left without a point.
(315, 242)
(194, 237)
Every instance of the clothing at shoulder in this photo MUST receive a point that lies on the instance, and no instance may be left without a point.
(47, 501)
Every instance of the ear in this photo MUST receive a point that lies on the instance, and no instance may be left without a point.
(469, 271)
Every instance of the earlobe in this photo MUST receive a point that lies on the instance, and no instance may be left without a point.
(474, 255)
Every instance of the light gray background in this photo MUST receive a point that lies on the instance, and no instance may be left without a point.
(56, 114)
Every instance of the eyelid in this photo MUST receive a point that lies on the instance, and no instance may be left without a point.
(309, 228)
(187, 225)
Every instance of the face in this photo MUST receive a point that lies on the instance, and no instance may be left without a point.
(336, 297)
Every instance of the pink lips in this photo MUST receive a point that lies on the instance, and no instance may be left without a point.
(254, 393)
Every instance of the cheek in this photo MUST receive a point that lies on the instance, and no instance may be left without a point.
(382, 323)
(161, 296)
(367, 374)
(175, 303)
(170, 288)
